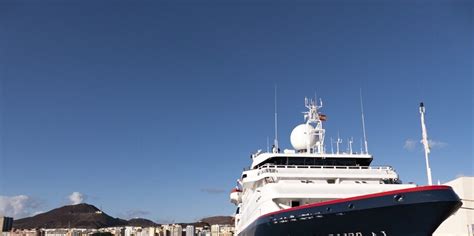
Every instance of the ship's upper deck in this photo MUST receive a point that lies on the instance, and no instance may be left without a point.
(308, 141)
(321, 159)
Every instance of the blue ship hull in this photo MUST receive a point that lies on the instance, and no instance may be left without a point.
(414, 211)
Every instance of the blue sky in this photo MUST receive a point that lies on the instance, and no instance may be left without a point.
(152, 108)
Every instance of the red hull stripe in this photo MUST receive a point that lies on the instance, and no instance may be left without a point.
(372, 195)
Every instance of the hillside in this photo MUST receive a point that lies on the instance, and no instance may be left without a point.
(141, 222)
(78, 216)
(88, 216)
(222, 220)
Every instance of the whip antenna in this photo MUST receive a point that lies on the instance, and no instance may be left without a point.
(268, 144)
(363, 122)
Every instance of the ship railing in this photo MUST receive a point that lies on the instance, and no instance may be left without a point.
(267, 166)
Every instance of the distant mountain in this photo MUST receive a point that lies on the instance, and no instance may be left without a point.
(88, 216)
(77, 216)
(221, 220)
(141, 222)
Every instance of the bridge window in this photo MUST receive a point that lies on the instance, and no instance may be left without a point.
(317, 161)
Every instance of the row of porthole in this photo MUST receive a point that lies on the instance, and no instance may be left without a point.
(350, 206)
(397, 198)
(292, 218)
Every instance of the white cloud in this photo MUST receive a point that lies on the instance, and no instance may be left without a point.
(19, 206)
(77, 198)
(135, 213)
(437, 144)
(410, 144)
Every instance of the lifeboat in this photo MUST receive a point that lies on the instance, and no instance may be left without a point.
(236, 196)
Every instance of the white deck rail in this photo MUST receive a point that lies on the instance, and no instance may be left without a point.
(270, 166)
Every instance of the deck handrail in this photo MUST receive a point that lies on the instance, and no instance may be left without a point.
(266, 166)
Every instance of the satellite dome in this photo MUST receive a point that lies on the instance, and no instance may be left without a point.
(301, 136)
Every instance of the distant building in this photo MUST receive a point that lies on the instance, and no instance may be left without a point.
(6, 223)
(56, 232)
(165, 230)
(226, 230)
(129, 231)
(461, 222)
(152, 231)
(204, 232)
(146, 231)
(190, 230)
(215, 230)
(27, 232)
(177, 230)
(80, 232)
(116, 231)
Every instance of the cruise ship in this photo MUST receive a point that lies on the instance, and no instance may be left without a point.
(309, 191)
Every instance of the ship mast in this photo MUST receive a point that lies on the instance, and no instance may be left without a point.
(363, 122)
(275, 141)
(424, 140)
(313, 117)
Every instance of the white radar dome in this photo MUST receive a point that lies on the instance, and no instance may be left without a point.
(301, 136)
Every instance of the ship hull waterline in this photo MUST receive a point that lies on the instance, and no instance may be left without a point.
(414, 211)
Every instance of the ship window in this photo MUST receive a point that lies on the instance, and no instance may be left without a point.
(331, 181)
(244, 176)
(238, 210)
(315, 161)
(295, 203)
(296, 161)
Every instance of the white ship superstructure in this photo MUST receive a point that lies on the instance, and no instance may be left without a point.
(306, 175)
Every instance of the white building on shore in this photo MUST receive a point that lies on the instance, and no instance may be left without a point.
(461, 222)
